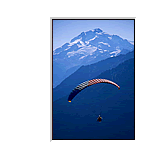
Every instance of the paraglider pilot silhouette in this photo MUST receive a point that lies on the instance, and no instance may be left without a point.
(86, 84)
(99, 119)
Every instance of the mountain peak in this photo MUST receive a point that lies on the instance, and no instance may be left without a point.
(82, 34)
(98, 30)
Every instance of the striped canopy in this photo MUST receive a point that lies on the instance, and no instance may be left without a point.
(86, 84)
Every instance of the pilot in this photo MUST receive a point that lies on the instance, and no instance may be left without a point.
(99, 119)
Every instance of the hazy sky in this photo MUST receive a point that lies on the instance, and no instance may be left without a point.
(65, 30)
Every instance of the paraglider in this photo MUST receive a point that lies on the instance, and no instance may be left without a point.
(86, 84)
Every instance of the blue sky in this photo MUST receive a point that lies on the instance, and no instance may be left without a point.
(65, 30)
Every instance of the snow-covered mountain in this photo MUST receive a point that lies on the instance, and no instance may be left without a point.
(89, 47)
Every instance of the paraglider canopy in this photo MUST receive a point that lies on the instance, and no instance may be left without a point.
(86, 84)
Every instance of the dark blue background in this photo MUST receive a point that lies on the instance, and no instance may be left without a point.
(78, 119)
